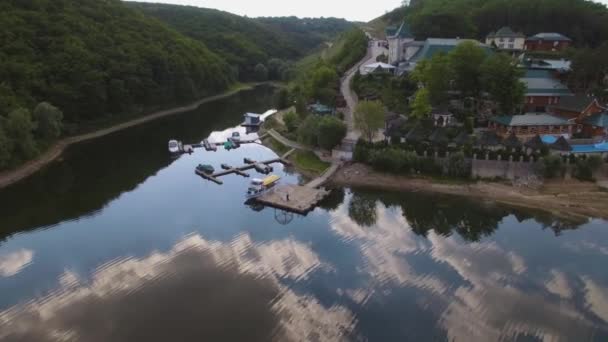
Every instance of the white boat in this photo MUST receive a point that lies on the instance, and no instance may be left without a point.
(173, 146)
(236, 136)
(259, 187)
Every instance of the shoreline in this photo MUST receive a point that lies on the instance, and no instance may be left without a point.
(557, 198)
(56, 150)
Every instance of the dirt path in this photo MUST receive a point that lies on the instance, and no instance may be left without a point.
(566, 199)
(9, 177)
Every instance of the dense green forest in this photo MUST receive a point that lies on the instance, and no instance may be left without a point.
(584, 21)
(247, 42)
(91, 59)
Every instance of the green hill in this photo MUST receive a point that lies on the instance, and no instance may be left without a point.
(245, 42)
(94, 58)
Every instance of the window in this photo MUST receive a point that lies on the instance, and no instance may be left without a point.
(511, 40)
(510, 46)
(501, 45)
(501, 39)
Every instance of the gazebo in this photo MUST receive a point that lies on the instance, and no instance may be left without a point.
(561, 146)
(490, 140)
(512, 142)
(534, 144)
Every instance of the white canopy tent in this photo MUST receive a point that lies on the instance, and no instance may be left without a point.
(370, 68)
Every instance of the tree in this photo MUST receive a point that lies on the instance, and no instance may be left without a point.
(291, 121)
(283, 98)
(369, 118)
(501, 80)
(48, 120)
(435, 74)
(19, 127)
(261, 73)
(466, 60)
(331, 132)
(6, 147)
(308, 131)
(421, 107)
(275, 68)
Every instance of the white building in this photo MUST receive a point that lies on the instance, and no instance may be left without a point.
(507, 39)
(398, 38)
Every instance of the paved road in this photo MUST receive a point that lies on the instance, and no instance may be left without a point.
(349, 95)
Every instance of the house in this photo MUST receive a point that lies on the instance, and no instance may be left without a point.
(320, 109)
(560, 66)
(397, 39)
(251, 120)
(543, 89)
(577, 107)
(547, 41)
(416, 51)
(530, 124)
(442, 117)
(506, 39)
(596, 125)
(377, 68)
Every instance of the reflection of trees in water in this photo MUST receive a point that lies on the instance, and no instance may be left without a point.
(96, 172)
(362, 209)
(333, 200)
(472, 220)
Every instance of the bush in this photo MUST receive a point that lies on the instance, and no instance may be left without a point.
(585, 167)
(331, 132)
(457, 166)
(550, 167)
(308, 131)
(291, 121)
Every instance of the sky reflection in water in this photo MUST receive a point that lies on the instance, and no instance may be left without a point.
(170, 257)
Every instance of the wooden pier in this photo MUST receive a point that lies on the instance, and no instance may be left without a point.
(294, 198)
(262, 167)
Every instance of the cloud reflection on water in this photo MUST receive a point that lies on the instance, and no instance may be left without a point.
(13, 263)
(498, 296)
(200, 289)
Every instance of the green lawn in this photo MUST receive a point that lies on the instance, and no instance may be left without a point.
(309, 161)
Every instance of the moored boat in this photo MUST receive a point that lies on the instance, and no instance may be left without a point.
(259, 187)
(206, 168)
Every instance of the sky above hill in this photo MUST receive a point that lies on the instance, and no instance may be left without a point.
(348, 9)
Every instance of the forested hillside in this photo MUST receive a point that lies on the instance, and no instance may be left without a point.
(584, 21)
(90, 59)
(245, 42)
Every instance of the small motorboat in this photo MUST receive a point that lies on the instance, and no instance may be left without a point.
(236, 136)
(174, 146)
(206, 169)
(259, 187)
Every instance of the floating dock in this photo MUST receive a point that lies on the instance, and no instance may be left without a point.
(262, 167)
(294, 198)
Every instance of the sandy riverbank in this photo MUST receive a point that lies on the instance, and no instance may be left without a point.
(12, 176)
(562, 198)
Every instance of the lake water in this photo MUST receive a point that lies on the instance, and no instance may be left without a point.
(120, 242)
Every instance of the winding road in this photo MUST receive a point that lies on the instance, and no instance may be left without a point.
(373, 51)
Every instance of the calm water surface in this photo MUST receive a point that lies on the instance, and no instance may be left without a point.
(119, 242)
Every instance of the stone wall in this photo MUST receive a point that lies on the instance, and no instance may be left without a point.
(501, 169)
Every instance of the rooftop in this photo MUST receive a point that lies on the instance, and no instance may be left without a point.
(598, 120)
(433, 46)
(576, 103)
(530, 119)
(551, 36)
(402, 32)
(542, 83)
(506, 32)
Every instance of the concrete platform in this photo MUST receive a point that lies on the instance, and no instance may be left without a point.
(302, 199)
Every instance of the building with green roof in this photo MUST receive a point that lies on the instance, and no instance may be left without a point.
(543, 89)
(397, 39)
(596, 125)
(530, 124)
(506, 39)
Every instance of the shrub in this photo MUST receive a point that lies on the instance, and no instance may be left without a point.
(550, 167)
(457, 165)
(585, 167)
(291, 121)
(331, 132)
